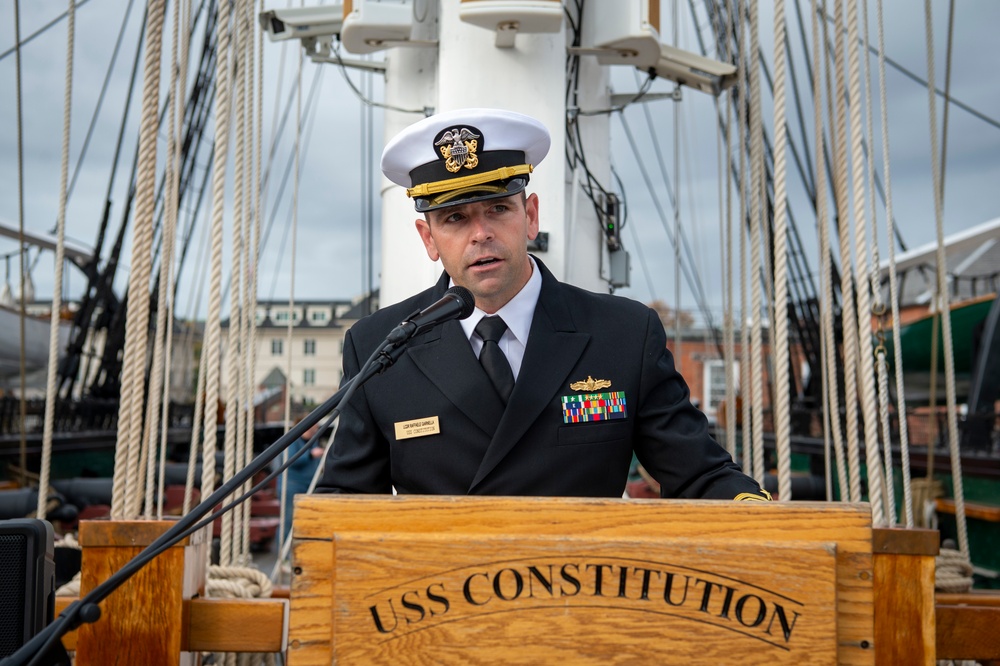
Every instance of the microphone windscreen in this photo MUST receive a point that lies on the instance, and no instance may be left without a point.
(467, 299)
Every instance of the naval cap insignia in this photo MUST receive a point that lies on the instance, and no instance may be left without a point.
(590, 384)
(458, 147)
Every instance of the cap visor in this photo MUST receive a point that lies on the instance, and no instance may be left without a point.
(494, 190)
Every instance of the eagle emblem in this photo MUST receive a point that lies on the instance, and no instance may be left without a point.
(590, 385)
(458, 147)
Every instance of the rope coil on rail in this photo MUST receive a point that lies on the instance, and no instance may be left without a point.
(952, 571)
(237, 583)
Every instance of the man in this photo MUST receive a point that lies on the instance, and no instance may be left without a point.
(554, 401)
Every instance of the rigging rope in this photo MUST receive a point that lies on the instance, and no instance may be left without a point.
(848, 314)
(180, 94)
(756, 221)
(291, 297)
(943, 305)
(197, 432)
(128, 476)
(831, 400)
(233, 350)
(863, 322)
(897, 347)
(253, 263)
(153, 443)
(729, 354)
(878, 308)
(212, 324)
(780, 342)
(51, 393)
(244, 446)
(23, 448)
(744, 124)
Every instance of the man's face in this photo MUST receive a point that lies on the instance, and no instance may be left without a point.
(483, 245)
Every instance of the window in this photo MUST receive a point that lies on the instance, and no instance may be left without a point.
(715, 384)
(281, 317)
(309, 347)
(309, 377)
(277, 347)
(317, 316)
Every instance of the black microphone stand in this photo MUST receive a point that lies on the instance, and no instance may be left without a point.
(46, 648)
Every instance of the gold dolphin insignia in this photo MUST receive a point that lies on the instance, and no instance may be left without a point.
(590, 384)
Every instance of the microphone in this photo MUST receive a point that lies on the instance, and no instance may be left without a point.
(457, 303)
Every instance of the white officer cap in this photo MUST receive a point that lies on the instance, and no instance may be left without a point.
(465, 155)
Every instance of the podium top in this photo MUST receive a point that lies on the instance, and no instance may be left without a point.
(319, 516)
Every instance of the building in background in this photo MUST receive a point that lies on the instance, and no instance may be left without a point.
(309, 358)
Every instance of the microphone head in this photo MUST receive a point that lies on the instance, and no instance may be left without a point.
(466, 298)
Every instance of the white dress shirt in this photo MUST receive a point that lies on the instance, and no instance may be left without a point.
(517, 313)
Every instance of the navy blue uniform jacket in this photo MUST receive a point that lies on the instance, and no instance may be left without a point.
(527, 449)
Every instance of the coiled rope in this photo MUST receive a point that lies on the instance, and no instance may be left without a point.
(952, 571)
(237, 583)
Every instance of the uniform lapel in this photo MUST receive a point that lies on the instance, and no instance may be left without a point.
(553, 349)
(445, 357)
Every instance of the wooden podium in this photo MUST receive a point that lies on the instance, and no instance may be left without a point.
(459, 580)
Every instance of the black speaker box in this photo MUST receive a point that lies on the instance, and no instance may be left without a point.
(27, 581)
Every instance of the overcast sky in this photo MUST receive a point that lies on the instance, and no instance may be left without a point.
(330, 236)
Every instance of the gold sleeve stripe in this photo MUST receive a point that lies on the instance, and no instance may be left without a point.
(502, 173)
(753, 497)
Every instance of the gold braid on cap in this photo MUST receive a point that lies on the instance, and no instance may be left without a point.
(427, 189)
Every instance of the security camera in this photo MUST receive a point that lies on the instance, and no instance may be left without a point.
(690, 69)
(302, 22)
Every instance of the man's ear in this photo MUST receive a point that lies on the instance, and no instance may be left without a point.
(424, 229)
(531, 211)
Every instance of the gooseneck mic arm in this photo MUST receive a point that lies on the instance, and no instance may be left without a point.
(46, 648)
(457, 303)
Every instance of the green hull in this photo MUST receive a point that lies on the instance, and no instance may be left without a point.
(916, 343)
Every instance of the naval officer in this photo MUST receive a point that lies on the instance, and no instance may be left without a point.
(546, 389)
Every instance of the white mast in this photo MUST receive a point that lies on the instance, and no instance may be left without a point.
(411, 77)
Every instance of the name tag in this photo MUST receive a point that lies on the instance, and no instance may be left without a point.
(417, 428)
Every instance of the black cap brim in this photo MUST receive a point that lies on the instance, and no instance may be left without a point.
(495, 190)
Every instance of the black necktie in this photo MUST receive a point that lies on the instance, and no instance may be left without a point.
(492, 358)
